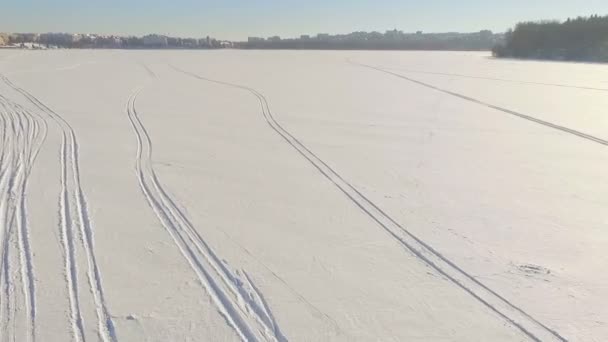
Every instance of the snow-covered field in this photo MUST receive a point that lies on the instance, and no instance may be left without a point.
(301, 196)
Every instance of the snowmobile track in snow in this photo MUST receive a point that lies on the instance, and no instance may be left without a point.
(74, 220)
(237, 299)
(515, 316)
(505, 80)
(485, 104)
(23, 134)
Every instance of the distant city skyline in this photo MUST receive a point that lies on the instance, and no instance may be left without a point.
(239, 19)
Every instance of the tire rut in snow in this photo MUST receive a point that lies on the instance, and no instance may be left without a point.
(236, 298)
(74, 220)
(515, 316)
(23, 134)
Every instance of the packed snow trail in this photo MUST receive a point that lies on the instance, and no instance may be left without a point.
(485, 104)
(512, 314)
(23, 134)
(74, 221)
(236, 298)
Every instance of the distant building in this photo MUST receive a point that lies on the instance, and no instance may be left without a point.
(56, 39)
(323, 36)
(102, 41)
(189, 42)
(18, 38)
(274, 39)
(3, 39)
(117, 41)
(393, 34)
(155, 40)
(305, 37)
(76, 38)
(31, 37)
(255, 39)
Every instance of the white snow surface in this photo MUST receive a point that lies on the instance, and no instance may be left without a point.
(301, 196)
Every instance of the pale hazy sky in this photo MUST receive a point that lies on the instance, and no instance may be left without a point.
(238, 19)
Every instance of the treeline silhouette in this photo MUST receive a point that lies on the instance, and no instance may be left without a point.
(579, 39)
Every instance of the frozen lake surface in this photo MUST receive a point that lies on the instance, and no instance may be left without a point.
(302, 196)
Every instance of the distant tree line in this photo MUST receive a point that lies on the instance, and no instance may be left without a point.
(580, 39)
(390, 40)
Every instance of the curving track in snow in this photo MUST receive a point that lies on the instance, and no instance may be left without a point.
(475, 77)
(502, 307)
(76, 228)
(23, 134)
(527, 117)
(235, 296)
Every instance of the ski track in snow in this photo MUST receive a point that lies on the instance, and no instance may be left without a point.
(236, 298)
(23, 134)
(515, 316)
(74, 219)
(548, 124)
